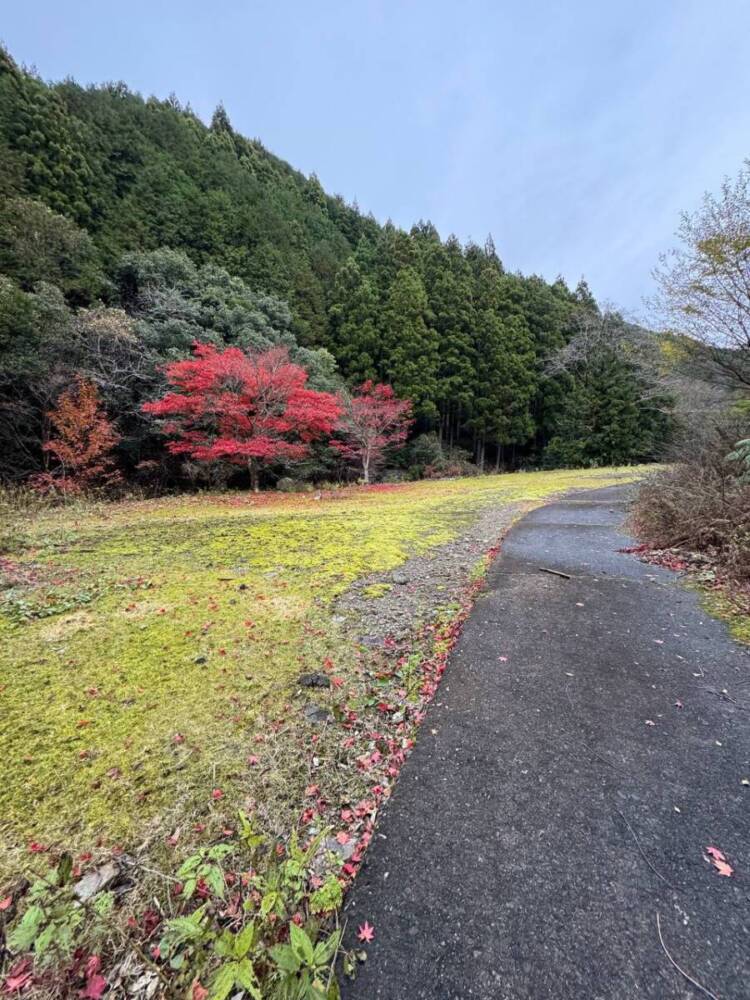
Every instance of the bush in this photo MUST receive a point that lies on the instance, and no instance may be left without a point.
(702, 502)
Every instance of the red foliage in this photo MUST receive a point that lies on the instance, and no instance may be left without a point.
(85, 436)
(242, 408)
(372, 419)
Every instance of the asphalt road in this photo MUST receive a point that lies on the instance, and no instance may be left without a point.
(588, 743)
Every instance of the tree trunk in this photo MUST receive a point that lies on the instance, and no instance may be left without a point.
(366, 469)
(252, 468)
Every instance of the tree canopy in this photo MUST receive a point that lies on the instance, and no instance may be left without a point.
(129, 230)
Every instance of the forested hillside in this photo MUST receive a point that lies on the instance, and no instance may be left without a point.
(129, 230)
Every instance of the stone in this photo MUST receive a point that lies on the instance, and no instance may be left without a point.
(344, 851)
(314, 681)
(399, 577)
(315, 714)
(96, 881)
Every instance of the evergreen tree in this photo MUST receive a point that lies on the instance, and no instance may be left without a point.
(410, 362)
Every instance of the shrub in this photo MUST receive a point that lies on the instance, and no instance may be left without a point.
(702, 502)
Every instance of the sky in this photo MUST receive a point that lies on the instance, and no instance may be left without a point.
(575, 133)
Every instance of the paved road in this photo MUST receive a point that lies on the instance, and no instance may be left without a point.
(518, 858)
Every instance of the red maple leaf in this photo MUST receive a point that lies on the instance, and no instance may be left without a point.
(19, 976)
(366, 932)
(719, 861)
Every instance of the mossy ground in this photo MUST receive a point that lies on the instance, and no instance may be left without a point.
(149, 647)
(732, 607)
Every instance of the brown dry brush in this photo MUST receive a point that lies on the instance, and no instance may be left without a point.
(701, 502)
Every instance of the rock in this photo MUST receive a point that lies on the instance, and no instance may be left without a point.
(242, 586)
(314, 681)
(344, 851)
(201, 659)
(315, 714)
(286, 484)
(95, 881)
(398, 577)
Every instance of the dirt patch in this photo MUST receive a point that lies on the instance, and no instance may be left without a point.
(68, 626)
(393, 605)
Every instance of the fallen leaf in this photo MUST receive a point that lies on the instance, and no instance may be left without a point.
(19, 976)
(719, 861)
(366, 932)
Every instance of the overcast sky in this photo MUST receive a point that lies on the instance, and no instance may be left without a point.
(574, 132)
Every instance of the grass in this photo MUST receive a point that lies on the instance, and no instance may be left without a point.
(151, 649)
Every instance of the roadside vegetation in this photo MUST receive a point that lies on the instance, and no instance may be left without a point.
(696, 512)
(170, 663)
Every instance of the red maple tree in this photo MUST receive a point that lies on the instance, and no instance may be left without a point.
(242, 408)
(85, 436)
(372, 419)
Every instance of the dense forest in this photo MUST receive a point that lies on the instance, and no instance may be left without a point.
(129, 230)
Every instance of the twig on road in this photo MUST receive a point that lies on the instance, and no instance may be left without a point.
(640, 849)
(554, 572)
(682, 972)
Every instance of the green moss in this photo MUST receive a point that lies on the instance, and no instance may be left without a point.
(118, 715)
(721, 605)
(375, 590)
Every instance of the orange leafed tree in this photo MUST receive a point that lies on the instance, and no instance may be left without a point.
(81, 443)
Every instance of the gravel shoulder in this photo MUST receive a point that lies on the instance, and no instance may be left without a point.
(393, 605)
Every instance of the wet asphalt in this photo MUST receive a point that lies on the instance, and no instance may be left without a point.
(588, 742)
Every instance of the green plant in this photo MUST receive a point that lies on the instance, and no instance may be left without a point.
(205, 867)
(741, 453)
(237, 970)
(51, 920)
(304, 970)
(328, 897)
(184, 937)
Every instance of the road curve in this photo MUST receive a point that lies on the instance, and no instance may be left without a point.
(588, 743)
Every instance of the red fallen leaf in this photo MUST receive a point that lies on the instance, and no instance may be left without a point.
(5, 903)
(178, 738)
(93, 965)
(95, 988)
(217, 794)
(19, 976)
(253, 760)
(343, 837)
(719, 861)
(336, 682)
(678, 704)
(503, 659)
(36, 848)
(365, 932)
(82, 723)
(198, 992)
(311, 791)
(650, 722)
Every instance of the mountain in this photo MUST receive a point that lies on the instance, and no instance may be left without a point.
(123, 210)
